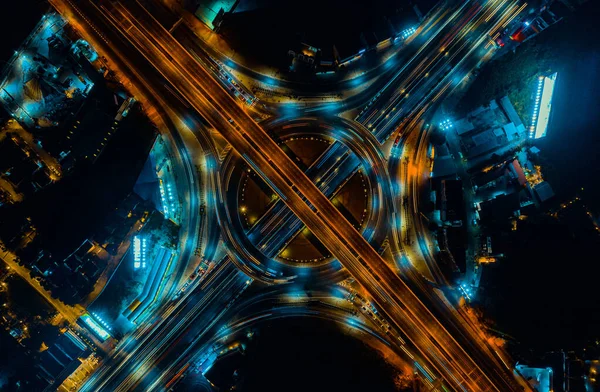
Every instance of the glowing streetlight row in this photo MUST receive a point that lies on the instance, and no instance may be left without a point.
(101, 321)
(536, 107)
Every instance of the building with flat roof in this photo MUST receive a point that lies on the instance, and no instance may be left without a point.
(511, 131)
(543, 191)
(483, 179)
(482, 148)
(491, 129)
(501, 208)
(517, 172)
(509, 110)
(463, 126)
(443, 164)
(62, 358)
(453, 206)
(541, 379)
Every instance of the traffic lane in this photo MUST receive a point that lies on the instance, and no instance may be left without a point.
(184, 165)
(287, 167)
(335, 175)
(398, 173)
(232, 107)
(382, 71)
(248, 257)
(129, 347)
(146, 362)
(405, 100)
(420, 92)
(345, 255)
(255, 320)
(137, 363)
(273, 303)
(192, 214)
(202, 325)
(474, 18)
(413, 105)
(429, 45)
(375, 170)
(419, 158)
(434, 302)
(425, 73)
(433, 330)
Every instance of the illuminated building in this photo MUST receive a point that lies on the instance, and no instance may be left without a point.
(543, 106)
(96, 328)
(139, 252)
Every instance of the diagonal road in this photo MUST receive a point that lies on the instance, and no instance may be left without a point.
(477, 371)
(401, 305)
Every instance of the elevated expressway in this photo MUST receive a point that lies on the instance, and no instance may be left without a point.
(418, 90)
(406, 311)
(139, 358)
(417, 93)
(457, 54)
(193, 148)
(356, 90)
(353, 148)
(276, 302)
(318, 214)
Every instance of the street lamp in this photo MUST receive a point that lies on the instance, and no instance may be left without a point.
(408, 32)
(446, 124)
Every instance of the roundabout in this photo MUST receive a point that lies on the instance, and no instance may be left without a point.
(301, 204)
(265, 239)
(255, 200)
